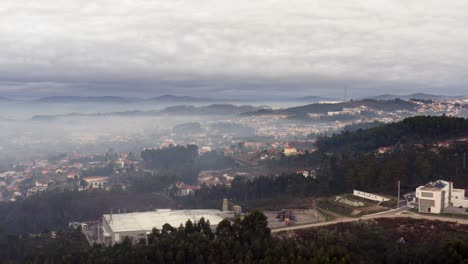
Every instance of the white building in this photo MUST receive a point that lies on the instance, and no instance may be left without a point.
(115, 227)
(370, 196)
(290, 151)
(95, 182)
(459, 199)
(434, 197)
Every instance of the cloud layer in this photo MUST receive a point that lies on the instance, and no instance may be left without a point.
(233, 48)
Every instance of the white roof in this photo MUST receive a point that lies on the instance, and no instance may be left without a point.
(146, 221)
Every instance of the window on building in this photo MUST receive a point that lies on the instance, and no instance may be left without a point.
(427, 194)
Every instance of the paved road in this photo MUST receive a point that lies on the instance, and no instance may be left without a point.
(395, 213)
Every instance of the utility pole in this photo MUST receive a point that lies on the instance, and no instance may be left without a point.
(99, 232)
(398, 198)
(464, 160)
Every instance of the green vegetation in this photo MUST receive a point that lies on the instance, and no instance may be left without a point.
(336, 207)
(259, 188)
(413, 165)
(148, 182)
(343, 172)
(176, 163)
(302, 112)
(214, 160)
(54, 210)
(249, 241)
(338, 173)
(327, 216)
(69, 246)
(419, 129)
(172, 157)
(363, 126)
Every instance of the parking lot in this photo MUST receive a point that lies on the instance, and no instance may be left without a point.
(300, 217)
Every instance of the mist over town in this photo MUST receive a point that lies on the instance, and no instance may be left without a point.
(237, 132)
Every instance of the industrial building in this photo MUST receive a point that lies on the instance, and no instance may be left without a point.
(434, 197)
(115, 227)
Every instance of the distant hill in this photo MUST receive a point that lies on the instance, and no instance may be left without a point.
(122, 113)
(419, 96)
(314, 99)
(119, 99)
(363, 126)
(214, 109)
(87, 99)
(187, 129)
(175, 98)
(378, 105)
(418, 129)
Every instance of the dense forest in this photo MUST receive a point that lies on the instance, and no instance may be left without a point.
(214, 160)
(243, 190)
(52, 210)
(413, 165)
(172, 157)
(363, 126)
(250, 241)
(419, 129)
(184, 166)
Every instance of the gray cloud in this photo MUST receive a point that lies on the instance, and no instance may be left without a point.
(232, 47)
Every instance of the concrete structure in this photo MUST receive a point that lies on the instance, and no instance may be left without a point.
(348, 202)
(290, 151)
(96, 181)
(370, 196)
(237, 209)
(459, 198)
(225, 205)
(434, 197)
(115, 227)
(182, 189)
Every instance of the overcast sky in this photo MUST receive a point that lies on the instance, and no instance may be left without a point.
(232, 48)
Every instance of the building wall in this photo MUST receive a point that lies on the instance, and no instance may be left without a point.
(290, 152)
(459, 199)
(370, 196)
(118, 237)
(107, 229)
(134, 235)
(433, 201)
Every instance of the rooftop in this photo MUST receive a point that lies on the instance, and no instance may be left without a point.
(95, 178)
(435, 186)
(146, 221)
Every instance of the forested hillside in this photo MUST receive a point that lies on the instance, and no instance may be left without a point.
(249, 241)
(419, 129)
(170, 158)
(302, 112)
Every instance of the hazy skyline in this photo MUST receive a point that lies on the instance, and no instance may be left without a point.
(233, 48)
